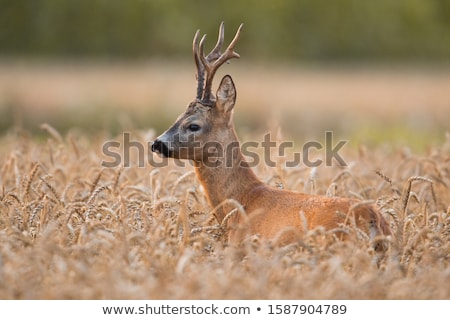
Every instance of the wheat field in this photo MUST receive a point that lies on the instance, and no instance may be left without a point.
(70, 229)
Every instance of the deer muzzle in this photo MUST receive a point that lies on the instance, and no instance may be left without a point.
(160, 147)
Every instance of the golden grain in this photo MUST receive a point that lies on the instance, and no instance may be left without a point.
(70, 229)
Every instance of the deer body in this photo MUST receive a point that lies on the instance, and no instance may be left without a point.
(202, 134)
(274, 213)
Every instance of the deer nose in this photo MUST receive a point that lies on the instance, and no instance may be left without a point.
(160, 147)
(157, 146)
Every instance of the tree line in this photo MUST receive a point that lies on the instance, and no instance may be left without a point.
(344, 30)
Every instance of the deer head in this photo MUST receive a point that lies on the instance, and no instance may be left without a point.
(206, 125)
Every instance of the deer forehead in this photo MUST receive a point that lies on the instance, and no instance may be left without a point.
(194, 112)
(197, 107)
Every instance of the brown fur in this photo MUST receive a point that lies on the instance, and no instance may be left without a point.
(271, 211)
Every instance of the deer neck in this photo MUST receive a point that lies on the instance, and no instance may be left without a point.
(229, 177)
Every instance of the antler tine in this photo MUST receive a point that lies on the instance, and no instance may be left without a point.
(215, 53)
(198, 63)
(229, 53)
(211, 66)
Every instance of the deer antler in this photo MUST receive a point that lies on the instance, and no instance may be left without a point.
(211, 62)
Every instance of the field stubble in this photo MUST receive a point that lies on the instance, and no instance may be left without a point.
(70, 229)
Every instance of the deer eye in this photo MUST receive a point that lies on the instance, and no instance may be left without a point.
(194, 127)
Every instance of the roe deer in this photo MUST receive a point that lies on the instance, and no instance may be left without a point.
(206, 129)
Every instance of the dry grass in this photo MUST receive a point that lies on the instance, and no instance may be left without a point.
(72, 229)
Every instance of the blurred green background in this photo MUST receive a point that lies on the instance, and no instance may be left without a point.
(322, 30)
(47, 43)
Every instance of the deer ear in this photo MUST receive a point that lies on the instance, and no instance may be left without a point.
(226, 95)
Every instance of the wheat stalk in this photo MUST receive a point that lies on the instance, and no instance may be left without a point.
(52, 131)
(30, 179)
